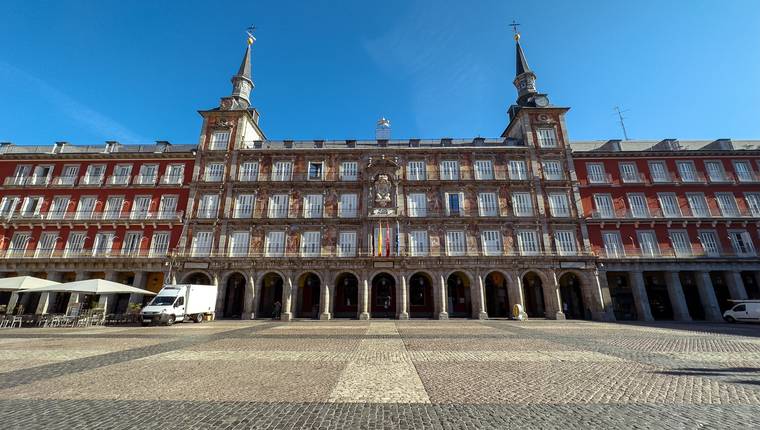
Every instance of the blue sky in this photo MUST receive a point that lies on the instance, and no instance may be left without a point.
(138, 71)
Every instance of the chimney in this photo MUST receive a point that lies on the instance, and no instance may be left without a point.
(162, 145)
(111, 146)
(58, 147)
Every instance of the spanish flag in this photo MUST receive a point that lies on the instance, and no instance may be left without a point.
(379, 239)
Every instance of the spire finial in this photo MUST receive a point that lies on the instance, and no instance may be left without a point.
(249, 31)
(514, 26)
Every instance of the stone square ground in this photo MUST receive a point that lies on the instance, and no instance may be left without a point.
(382, 374)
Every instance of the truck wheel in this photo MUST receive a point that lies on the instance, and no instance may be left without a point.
(170, 321)
(730, 319)
(198, 318)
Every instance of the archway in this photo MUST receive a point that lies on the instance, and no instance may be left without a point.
(197, 278)
(497, 300)
(346, 296)
(234, 296)
(308, 296)
(271, 292)
(383, 296)
(533, 295)
(659, 299)
(458, 295)
(571, 296)
(420, 296)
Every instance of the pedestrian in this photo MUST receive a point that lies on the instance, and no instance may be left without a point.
(387, 305)
(276, 310)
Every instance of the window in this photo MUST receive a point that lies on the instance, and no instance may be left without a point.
(449, 170)
(744, 171)
(727, 204)
(41, 175)
(275, 244)
(315, 171)
(454, 204)
(349, 171)
(649, 245)
(238, 246)
(527, 242)
(669, 205)
(565, 242)
(483, 169)
(639, 206)
(121, 174)
(455, 244)
(69, 175)
(559, 206)
(715, 171)
(415, 171)
(159, 245)
(709, 241)
(148, 174)
(113, 207)
(742, 243)
(208, 206)
(201, 244)
(312, 206)
(596, 173)
(19, 243)
(249, 171)
(131, 244)
(94, 175)
(102, 244)
(417, 204)
(244, 206)
(418, 243)
(282, 171)
(347, 244)
(21, 174)
(175, 174)
(167, 208)
(698, 204)
(487, 204)
(310, 244)
(658, 171)
(214, 172)
(547, 137)
(46, 244)
(679, 239)
(75, 244)
(629, 172)
(518, 170)
(347, 206)
(687, 171)
(278, 206)
(753, 202)
(8, 206)
(58, 207)
(31, 207)
(86, 207)
(219, 140)
(604, 208)
(491, 240)
(141, 207)
(553, 170)
(613, 245)
(522, 204)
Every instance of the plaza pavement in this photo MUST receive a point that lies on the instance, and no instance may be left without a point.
(382, 374)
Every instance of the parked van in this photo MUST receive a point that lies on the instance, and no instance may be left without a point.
(745, 310)
(179, 303)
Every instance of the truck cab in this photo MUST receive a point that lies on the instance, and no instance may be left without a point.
(167, 307)
(743, 311)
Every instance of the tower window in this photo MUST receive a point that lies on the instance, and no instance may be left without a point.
(219, 140)
(547, 138)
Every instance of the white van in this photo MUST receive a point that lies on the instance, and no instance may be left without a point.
(180, 302)
(744, 310)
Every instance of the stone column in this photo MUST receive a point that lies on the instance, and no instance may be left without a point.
(640, 297)
(137, 282)
(602, 293)
(677, 298)
(707, 296)
(256, 301)
(516, 294)
(287, 296)
(403, 311)
(481, 311)
(324, 305)
(248, 309)
(735, 285)
(552, 300)
(364, 300)
(443, 314)
(219, 295)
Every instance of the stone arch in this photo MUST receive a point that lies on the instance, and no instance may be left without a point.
(572, 303)
(272, 286)
(421, 286)
(533, 293)
(383, 295)
(459, 287)
(346, 302)
(234, 296)
(496, 294)
(197, 277)
(309, 294)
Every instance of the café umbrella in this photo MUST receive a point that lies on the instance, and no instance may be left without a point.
(92, 287)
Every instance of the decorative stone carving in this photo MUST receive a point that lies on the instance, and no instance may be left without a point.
(382, 191)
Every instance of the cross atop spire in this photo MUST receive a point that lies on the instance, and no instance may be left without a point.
(514, 26)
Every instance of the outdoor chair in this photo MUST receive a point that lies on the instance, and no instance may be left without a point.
(16, 320)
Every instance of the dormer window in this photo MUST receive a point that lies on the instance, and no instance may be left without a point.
(547, 138)
(219, 140)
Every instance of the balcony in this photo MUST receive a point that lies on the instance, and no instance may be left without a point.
(172, 179)
(86, 216)
(83, 253)
(747, 178)
(335, 252)
(91, 181)
(145, 180)
(664, 178)
(694, 178)
(633, 178)
(118, 180)
(65, 181)
(724, 178)
(638, 253)
(27, 181)
(600, 179)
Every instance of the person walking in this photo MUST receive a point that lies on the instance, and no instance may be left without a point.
(387, 305)
(276, 310)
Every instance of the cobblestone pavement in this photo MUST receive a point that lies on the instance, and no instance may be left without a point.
(382, 374)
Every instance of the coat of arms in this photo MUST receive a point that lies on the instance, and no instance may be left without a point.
(383, 191)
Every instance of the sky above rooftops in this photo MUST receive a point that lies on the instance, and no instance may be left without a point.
(134, 71)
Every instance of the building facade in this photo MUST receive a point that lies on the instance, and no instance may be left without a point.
(394, 228)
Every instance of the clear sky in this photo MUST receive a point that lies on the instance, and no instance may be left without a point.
(138, 71)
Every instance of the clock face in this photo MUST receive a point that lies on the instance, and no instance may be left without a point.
(541, 101)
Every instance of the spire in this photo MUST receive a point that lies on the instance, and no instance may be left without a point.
(522, 63)
(525, 79)
(245, 66)
(242, 84)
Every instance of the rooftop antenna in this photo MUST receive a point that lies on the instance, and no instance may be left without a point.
(622, 120)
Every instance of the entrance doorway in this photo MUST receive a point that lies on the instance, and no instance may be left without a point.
(308, 296)
(533, 295)
(420, 296)
(458, 295)
(572, 297)
(383, 296)
(271, 292)
(234, 296)
(497, 301)
(346, 296)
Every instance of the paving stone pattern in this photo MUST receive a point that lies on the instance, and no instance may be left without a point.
(457, 374)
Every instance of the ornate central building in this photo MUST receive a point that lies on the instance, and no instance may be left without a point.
(389, 228)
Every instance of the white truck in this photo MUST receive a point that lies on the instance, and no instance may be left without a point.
(180, 303)
(743, 311)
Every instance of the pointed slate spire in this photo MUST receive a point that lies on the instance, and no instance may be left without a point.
(522, 63)
(525, 79)
(242, 84)
(245, 66)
